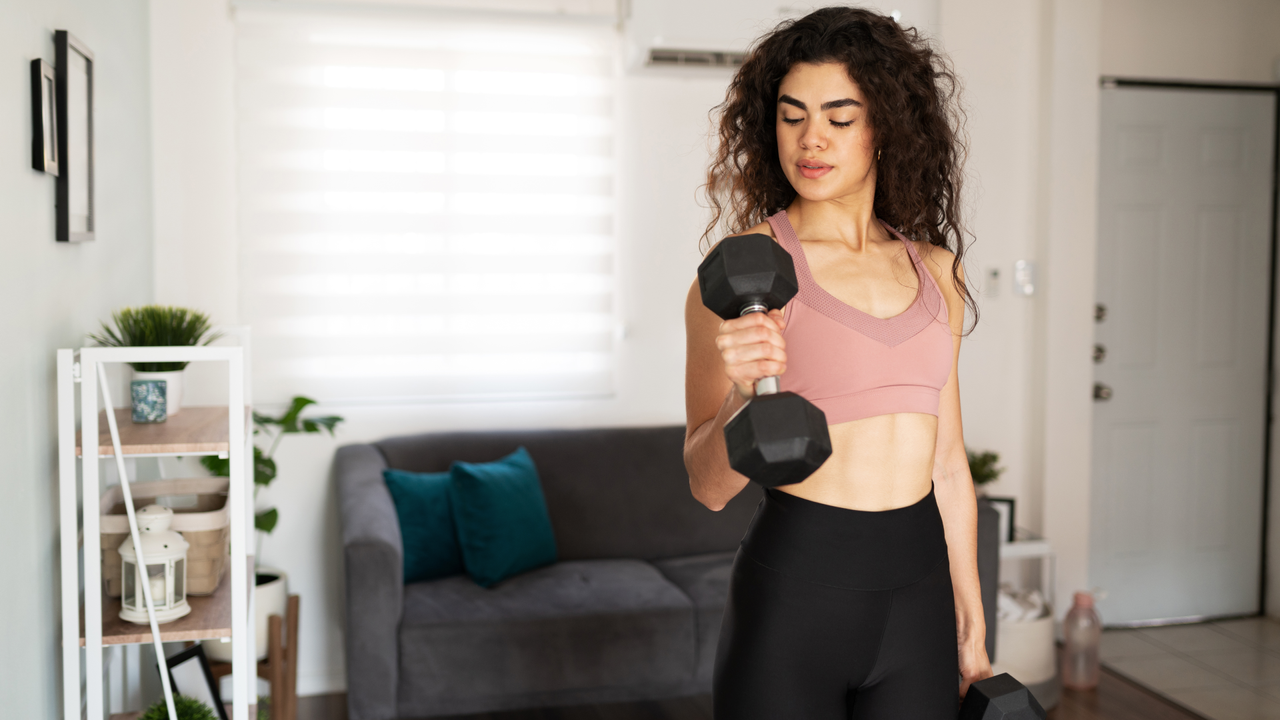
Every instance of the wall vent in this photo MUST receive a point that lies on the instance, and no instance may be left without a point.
(666, 57)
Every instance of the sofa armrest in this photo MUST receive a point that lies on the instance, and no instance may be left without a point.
(374, 558)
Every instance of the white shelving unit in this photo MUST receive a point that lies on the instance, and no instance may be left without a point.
(89, 618)
(1035, 548)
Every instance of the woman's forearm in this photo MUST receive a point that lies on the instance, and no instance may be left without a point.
(711, 480)
(957, 502)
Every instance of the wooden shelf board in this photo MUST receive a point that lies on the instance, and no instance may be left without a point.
(210, 617)
(194, 430)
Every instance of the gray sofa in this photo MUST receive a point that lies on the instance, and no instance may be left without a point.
(631, 611)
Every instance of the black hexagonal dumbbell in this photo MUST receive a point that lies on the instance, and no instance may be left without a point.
(1000, 698)
(778, 438)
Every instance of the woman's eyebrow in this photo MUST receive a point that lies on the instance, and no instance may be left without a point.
(792, 101)
(830, 104)
(845, 102)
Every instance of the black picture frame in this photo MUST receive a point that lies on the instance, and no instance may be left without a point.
(1005, 506)
(73, 81)
(198, 685)
(44, 118)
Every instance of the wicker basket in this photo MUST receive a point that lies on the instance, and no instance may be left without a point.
(205, 525)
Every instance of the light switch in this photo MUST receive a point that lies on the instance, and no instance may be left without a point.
(1024, 278)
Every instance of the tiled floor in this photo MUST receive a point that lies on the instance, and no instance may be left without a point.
(1228, 670)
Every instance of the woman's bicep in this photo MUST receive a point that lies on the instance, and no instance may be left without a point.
(705, 382)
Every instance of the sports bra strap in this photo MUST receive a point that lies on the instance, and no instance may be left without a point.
(785, 234)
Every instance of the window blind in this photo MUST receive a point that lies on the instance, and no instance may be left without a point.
(426, 206)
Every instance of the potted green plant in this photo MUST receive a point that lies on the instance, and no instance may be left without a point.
(158, 326)
(270, 585)
(187, 708)
(983, 467)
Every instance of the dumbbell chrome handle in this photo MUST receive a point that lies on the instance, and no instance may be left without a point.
(766, 385)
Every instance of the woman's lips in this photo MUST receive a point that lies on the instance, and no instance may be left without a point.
(812, 169)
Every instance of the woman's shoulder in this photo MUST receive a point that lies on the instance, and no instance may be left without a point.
(938, 260)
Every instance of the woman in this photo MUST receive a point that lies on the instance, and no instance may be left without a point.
(855, 592)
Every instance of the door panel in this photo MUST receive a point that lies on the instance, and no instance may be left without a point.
(1183, 268)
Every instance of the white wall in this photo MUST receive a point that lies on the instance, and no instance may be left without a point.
(1215, 40)
(196, 258)
(53, 294)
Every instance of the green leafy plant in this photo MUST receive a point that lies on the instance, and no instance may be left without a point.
(264, 467)
(186, 707)
(156, 326)
(982, 466)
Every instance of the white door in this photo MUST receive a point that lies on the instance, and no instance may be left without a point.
(1183, 274)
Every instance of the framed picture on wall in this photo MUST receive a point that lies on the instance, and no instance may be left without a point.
(73, 81)
(1004, 506)
(44, 121)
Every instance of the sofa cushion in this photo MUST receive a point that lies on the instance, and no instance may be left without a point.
(426, 524)
(611, 492)
(584, 624)
(501, 517)
(705, 579)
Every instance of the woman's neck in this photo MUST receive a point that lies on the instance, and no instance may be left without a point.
(849, 220)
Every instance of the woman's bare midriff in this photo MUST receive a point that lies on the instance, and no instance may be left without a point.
(877, 463)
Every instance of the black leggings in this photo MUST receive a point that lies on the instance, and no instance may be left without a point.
(836, 614)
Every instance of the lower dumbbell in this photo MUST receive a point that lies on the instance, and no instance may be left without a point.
(777, 438)
(1000, 698)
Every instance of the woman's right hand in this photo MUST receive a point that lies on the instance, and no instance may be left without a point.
(752, 347)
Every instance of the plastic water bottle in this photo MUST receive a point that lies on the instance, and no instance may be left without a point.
(1082, 630)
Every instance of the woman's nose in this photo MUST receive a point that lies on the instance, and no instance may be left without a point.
(813, 138)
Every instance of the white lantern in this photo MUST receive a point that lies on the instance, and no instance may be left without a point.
(165, 553)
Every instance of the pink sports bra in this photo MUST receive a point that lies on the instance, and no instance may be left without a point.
(853, 365)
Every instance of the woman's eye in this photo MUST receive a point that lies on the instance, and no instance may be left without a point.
(842, 124)
(791, 121)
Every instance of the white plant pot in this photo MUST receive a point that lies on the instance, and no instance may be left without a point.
(1025, 649)
(270, 597)
(173, 387)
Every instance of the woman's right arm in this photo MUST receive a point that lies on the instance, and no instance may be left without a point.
(723, 359)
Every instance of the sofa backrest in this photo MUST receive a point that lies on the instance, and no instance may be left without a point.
(611, 492)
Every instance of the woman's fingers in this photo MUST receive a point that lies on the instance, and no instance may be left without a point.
(772, 319)
(752, 347)
(750, 343)
(974, 666)
(749, 336)
(754, 352)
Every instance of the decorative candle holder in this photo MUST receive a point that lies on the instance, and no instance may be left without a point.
(165, 553)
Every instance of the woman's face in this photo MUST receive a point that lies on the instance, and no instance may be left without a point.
(825, 146)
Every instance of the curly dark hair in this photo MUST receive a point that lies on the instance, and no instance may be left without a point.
(912, 109)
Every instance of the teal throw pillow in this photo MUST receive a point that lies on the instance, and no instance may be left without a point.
(426, 524)
(501, 516)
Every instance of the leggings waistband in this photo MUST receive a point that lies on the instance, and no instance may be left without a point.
(851, 549)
